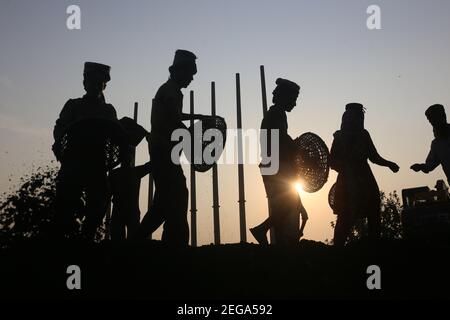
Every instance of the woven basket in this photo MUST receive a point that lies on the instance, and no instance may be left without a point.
(331, 196)
(311, 160)
(109, 133)
(197, 132)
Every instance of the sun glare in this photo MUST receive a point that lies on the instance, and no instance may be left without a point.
(298, 187)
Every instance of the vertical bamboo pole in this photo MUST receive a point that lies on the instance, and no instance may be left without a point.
(215, 179)
(135, 118)
(263, 90)
(264, 106)
(193, 190)
(242, 224)
(150, 178)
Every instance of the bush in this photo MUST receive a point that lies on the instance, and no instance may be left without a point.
(391, 226)
(26, 213)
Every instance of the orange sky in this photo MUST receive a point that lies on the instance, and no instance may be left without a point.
(324, 46)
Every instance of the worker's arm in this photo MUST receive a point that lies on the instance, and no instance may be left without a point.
(335, 154)
(188, 116)
(195, 116)
(65, 118)
(377, 159)
(142, 170)
(304, 217)
(430, 164)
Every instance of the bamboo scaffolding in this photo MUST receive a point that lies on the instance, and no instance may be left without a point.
(193, 189)
(242, 223)
(215, 179)
(264, 106)
(150, 180)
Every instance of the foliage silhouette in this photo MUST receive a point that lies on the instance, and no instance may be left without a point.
(391, 225)
(26, 212)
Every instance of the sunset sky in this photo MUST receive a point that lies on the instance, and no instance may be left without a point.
(324, 46)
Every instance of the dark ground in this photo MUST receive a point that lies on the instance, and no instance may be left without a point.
(150, 270)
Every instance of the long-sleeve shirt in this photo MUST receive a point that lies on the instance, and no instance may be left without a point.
(439, 155)
(276, 119)
(77, 109)
(166, 116)
(86, 144)
(125, 185)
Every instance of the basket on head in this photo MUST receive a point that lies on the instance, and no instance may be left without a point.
(198, 138)
(311, 160)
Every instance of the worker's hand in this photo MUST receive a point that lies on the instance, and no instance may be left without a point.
(394, 167)
(416, 167)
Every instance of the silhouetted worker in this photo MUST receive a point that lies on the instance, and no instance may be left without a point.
(357, 194)
(125, 185)
(440, 147)
(171, 195)
(284, 200)
(83, 166)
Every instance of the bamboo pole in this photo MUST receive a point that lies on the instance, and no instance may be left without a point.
(264, 106)
(242, 223)
(263, 90)
(193, 190)
(135, 118)
(150, 180)
(215, 179)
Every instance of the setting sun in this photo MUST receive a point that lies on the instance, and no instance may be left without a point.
(299, 187)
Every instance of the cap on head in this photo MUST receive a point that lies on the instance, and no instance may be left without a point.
(435, 111)
(97, 70)
(184, 60)
(355, 107)
(287, 85)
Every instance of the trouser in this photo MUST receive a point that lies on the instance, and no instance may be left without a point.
(170, 203)
(124, 222)
(284, 203)
(70, 185)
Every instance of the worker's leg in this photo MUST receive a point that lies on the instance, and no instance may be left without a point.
(176, 228)
(68, 196)
(374, 224)
(97, 198)
(117, 224)
(344, 224)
